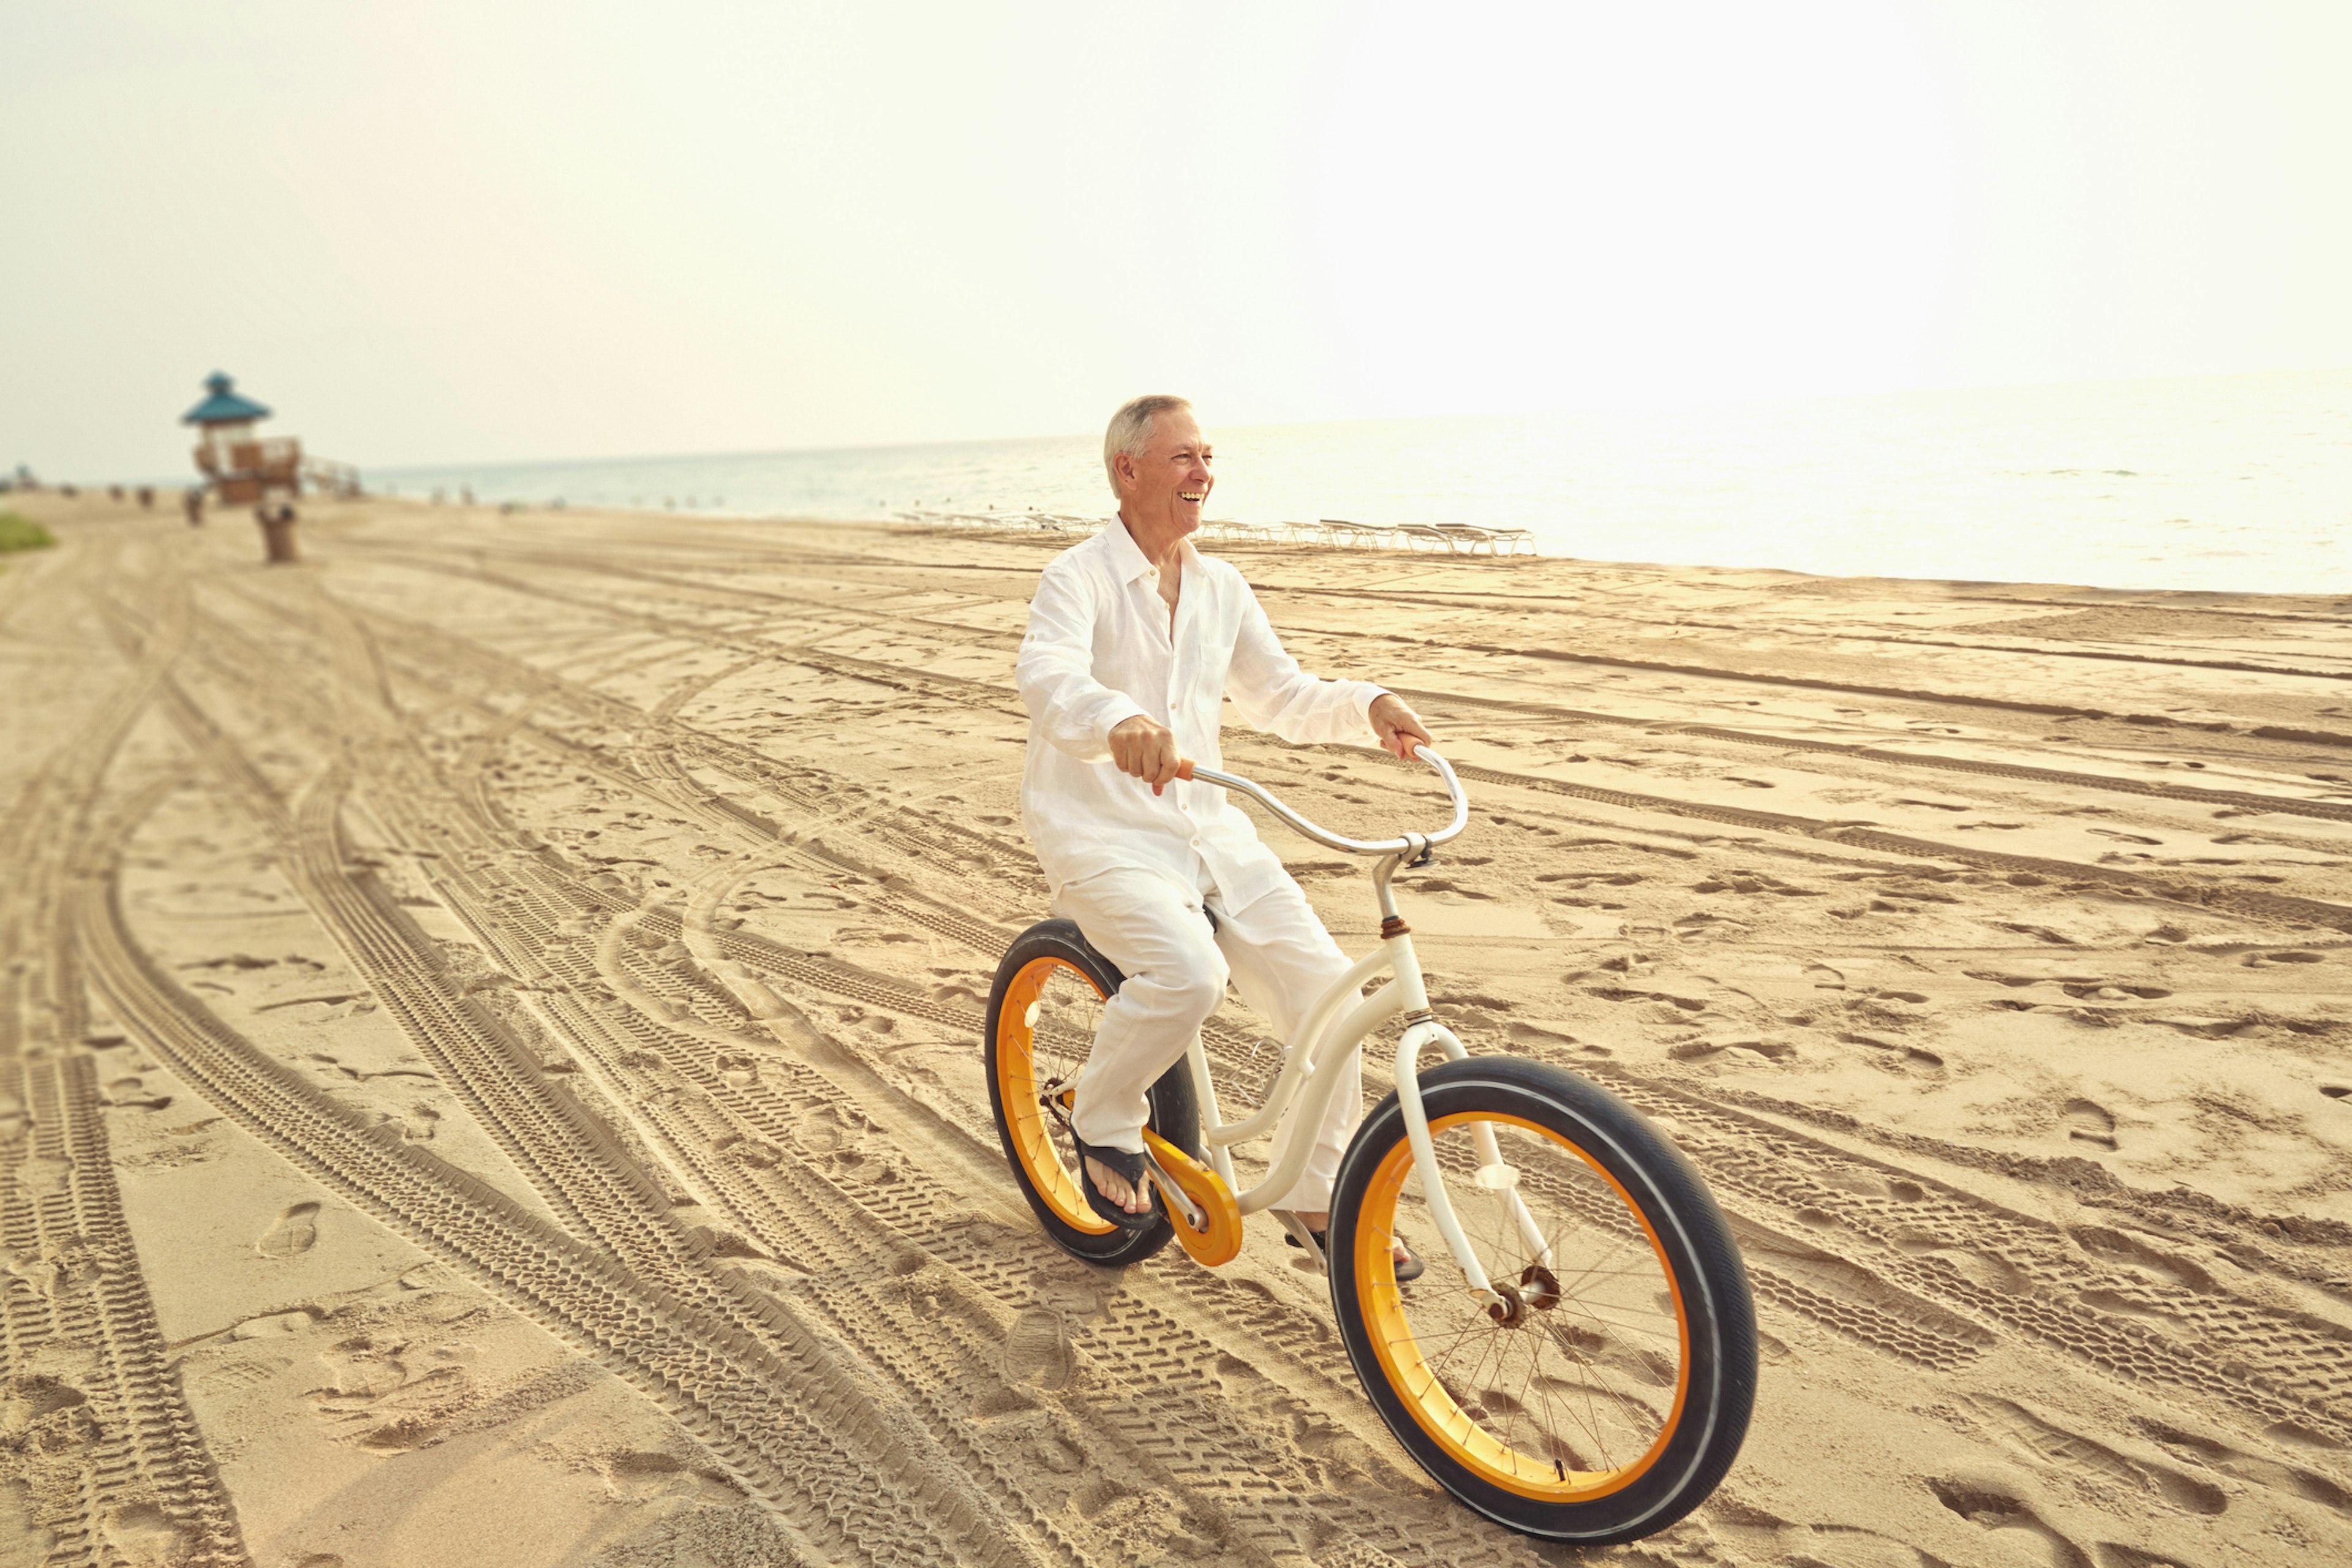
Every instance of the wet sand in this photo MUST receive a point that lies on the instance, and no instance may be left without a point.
(490, 1065)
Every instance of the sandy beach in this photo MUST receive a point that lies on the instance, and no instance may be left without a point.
(489, 1053)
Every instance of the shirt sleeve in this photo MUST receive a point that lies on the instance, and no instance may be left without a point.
(1273, 693)
(1056, 671)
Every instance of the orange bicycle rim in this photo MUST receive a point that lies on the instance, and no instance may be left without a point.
(1432, 1407)
(1016, 1090)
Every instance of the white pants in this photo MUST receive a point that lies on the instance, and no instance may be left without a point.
(1278, 955)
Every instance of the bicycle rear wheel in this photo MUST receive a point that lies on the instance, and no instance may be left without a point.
(1610, 1392)
(1043, 1012)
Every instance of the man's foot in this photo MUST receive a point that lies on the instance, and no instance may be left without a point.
(1318, 1224)
(1114, 1185)
(1129, 1196)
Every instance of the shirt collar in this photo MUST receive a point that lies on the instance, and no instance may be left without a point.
(1127, 560)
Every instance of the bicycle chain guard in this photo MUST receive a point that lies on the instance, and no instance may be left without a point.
(1220, 1240)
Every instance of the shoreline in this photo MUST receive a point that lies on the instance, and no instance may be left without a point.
(624, 886)
(2321, 605)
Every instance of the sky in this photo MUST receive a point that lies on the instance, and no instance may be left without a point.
(460, 233)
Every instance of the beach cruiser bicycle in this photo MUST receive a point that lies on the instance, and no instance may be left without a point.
(1580, 1369)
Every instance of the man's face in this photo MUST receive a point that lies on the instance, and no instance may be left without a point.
(1172, 481)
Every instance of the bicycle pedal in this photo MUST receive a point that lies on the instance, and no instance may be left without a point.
(1304, 1239)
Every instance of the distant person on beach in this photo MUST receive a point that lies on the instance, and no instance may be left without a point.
(1135, 638)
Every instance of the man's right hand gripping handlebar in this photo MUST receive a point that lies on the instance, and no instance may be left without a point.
(1145, 749)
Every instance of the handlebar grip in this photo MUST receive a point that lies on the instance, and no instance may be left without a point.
(1184, 769)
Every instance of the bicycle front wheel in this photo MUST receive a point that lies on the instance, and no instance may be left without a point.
(1611, 1390)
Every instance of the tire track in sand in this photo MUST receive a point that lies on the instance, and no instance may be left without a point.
(972, 635)
(2193, 892)
(791, 1430)
(110, 1444)
(570, 1155)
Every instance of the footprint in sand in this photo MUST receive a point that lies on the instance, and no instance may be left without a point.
(417, 1126)
(1057, 1454)
(1037, 1350)
(641, 1476)
(41, 1414)
(2116, 1554)
(1897, 1057)
(2087, 1122)
(2045, 1442)
(1993, 1504)
(2209, 1453)
(23, 1538)
(362, 1370)
(2039, 934)
(133, 1092)
(294, 1234)
(141, 1535)
(2103, 991)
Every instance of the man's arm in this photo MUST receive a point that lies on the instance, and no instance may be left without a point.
(1055, 672)
(1273, 693)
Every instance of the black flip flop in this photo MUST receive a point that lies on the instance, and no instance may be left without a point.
(1130, 1165)
(1411, 1269)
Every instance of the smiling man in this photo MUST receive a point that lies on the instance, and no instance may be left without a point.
(1135, 638)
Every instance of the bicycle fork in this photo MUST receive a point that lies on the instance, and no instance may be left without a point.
(1421, 1028)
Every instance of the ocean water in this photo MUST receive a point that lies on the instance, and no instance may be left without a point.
(2237, 483)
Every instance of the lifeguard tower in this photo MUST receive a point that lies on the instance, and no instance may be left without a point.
(245, 470)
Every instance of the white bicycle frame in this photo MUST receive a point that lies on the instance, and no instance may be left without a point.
(1318, 1051)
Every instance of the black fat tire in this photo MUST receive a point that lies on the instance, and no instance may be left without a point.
(1697, 1245)
(1175, 1112)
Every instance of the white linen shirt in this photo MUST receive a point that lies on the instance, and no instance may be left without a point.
(1098, 651)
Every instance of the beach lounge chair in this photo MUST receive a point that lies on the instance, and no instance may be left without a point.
(1421, 536)
(1466, 537)
(1357, 535)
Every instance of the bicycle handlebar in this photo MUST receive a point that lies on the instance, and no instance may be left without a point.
(1410, 844)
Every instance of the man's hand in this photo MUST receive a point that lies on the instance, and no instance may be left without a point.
(1145, 749)
(1399, 728)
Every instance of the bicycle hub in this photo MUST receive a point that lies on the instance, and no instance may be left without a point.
(1543, 1289)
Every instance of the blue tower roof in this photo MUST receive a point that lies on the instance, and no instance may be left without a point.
(222, 404)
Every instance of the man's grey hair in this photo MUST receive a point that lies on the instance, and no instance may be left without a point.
(1130, 429)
